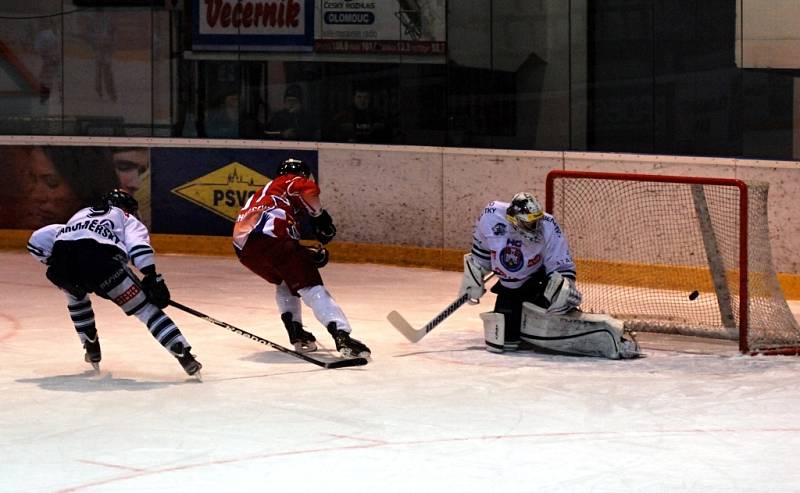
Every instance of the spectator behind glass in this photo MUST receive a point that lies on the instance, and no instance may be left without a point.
(100, 34)
(293, 122)
(223, 120)
(48, 48)
(360, 122)
(46, 185)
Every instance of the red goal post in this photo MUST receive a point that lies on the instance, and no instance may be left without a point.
(676, 254)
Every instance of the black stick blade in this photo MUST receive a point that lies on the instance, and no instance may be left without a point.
(345, 363)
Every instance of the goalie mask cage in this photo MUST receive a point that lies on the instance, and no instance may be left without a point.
(644, 244)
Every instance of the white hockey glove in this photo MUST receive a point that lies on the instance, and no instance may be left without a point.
(472, 283)
(562, 294)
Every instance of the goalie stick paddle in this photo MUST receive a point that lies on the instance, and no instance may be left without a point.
(344, 363)
(415, 335)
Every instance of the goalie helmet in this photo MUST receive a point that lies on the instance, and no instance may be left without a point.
(122, 199)
(524, 214)
(294, 167)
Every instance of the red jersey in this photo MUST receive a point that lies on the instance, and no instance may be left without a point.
(275, 209)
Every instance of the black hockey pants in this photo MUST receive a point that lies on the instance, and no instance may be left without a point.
(86, 266)
(509, 301)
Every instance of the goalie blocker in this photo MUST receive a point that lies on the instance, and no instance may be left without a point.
(575, 333)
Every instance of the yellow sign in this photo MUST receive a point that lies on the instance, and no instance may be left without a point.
(223, 191)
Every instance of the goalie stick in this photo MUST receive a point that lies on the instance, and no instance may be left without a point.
(344, 363)
(414, 335)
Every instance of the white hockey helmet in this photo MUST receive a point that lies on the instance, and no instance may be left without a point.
(524, 214)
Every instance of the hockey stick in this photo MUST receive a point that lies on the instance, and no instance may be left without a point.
(414, 335)
(344, 363)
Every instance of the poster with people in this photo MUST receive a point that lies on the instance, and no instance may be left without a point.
(45, 184)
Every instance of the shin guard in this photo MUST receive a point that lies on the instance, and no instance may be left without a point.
(494, 331)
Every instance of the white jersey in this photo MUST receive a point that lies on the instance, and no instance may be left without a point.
(40, 244)
(112, 227)
(498, 247)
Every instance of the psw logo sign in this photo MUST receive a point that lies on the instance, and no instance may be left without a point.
(223, 191)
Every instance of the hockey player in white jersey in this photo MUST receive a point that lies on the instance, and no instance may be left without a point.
(90, 253)
(537, 297)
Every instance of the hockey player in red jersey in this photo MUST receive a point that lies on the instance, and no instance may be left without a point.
(89, 254)
(266, 239)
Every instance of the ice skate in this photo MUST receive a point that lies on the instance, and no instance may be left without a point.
(190, 365)
(93, 355)
(302, 340)
(346, 345)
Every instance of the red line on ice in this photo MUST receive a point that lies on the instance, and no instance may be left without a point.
(7, 334)
(184, 467)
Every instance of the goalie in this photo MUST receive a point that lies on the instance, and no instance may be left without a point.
(537, 298)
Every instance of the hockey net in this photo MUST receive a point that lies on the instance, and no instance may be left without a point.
(678, 255)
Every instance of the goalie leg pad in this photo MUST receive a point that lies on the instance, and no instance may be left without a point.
(494, 331)
(578, 333)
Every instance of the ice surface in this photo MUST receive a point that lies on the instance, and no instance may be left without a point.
(441, 415)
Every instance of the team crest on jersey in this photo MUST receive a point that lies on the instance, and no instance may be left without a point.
(511, 258)
(499, 229)
(223, 191)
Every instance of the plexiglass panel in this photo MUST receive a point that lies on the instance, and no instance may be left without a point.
(618, 75)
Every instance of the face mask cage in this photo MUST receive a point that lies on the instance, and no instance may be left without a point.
(525, 225)
(525, 216)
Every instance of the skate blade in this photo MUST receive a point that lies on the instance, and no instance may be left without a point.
(196, 372)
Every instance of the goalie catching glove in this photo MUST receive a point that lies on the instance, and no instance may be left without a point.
(472, 282)
(154, 287)
(560, 295)
(324, 229)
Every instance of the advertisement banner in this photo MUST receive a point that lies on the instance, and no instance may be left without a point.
(415, 27)
(381, 26)
(253, 25)
(45, 185)
(200, 191)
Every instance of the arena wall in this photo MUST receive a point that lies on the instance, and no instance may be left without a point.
(416, 206)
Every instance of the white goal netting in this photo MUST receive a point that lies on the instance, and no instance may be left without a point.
(673, 254)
